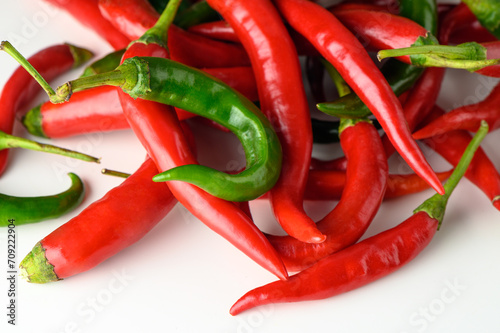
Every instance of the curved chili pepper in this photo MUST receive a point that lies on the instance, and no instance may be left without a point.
(400, 76)
(98, 109)
(121, 217)
(157, 127)
(467, 117)
(336, 44)
(87, 13)
(329, 184)
(134, 17)
(21, 88)
(481, 172)
(488, 13)
(366, 261)
(220, 30)
(26, 210)
(283, 100)
(346, 223)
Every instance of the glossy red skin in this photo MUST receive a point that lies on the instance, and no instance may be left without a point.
(87, 13)
(343, 50)
(381, 30)
(467, 117)
(283, 100)
(481, 171)
(349, 269)
(134, 17)
(21, 88)
(117, 220)
(365, 185)
(220, 30)
(99, 109)
(157, 128)
(329, 184)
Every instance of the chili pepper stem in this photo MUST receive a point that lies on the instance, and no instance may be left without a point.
(10, 141)
(115, 173)
(435, 205)
(35, 267)
(469, 56)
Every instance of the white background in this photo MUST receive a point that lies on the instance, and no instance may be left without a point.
(183, 278)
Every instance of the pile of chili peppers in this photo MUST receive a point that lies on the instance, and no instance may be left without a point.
(239, 66)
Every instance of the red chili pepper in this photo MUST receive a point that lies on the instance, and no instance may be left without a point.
(347, 55)
(157, 127)
(87, 13)
(99, 109)
(467, 117)
(220, 30)
(21, 88)
(381, 30)
(364, 262)
(122, 217)
(329, 184)
(481, 172)
(366, 181)
(283, 100)
(464, 26)
(134, 17)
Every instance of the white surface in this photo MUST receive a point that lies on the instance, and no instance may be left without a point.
(184, 278)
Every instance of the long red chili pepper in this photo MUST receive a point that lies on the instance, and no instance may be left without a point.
(99, 109)
(366, 261)
(467, 117)
(366, 180)
(157, 127)
(134, 17)
(21, 88)
(87, 13)
(481, 172)
(347, 55)
(464, 26)
(283, 100)
(119, 219)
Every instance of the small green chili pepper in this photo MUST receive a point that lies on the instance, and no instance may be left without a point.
(487, 13)
(169, 82)
(24, 210)
(105, 64)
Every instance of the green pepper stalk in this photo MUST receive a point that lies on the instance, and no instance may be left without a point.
(24, 210)
(169, 82)
(470, 56)
(9, 141)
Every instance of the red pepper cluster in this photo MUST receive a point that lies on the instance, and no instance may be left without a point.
(257, 48)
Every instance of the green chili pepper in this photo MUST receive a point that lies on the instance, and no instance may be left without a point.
(172, 83)
(105, 64)
(400, 76)
(487, 13)
(24, 210)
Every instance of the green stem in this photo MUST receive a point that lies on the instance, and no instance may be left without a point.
(435, 205)
(115, 173)
(14, 53)
(10, 141)
(159, 32)
(448, 51)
